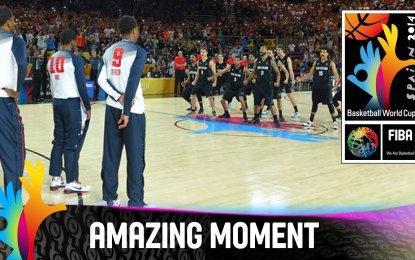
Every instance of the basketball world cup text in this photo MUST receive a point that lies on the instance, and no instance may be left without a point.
(381, 112)
(239, 235)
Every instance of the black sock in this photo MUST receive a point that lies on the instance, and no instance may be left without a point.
(275, 118)
(260, 111)
(256, 115)
(295, 109)
(280, 111)
(339, 111)
(201, 105)
(312, 117)
(333, 118)
(244, 114)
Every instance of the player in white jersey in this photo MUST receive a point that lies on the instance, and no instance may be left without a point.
(12, 75)
(71, 114)
(125, 122)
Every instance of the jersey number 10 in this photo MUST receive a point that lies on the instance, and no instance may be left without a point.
(57, 67)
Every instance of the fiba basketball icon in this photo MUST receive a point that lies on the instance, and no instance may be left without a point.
(361, 26)
(363, 142)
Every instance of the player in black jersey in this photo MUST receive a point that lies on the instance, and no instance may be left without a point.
(202, 83)
(276, 90)
(221, 80)
(191, 74)
(336, 98)
(286, 60)
(321, 93)
(264, 84)
(236, 87)
(249, 88)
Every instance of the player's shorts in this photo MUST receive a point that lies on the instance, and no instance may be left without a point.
(202, 89)
(322, 96)
(231, 93)
(286, 87)
(221, 84)
(261, 92)
(249, 88)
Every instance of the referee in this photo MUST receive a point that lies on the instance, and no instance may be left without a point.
(71, 114)
(12, 75)
(125, 121)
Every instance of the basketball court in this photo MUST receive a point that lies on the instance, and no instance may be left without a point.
(199, 163)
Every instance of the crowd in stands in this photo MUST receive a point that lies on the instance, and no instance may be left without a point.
(224, 26)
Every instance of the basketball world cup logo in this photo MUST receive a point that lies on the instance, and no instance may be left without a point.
(362, 142)
(379, 68)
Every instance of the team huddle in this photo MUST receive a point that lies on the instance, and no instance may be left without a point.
(265, 77)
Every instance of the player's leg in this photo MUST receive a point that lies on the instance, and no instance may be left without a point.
(276, 94)
(257, 105)
(268, 96)
(84, 130)
(288, 91)
(111, 158)
(56, 165)
(12, 145)
(329, 101)
(134, 138)
(243, 107)
(200, 100)
(207, 89)
(187, 94)
(338, 97)
(316, 98)
(227, 97)
(73, 136)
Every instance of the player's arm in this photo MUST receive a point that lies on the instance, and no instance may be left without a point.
(246, 71)
(277, 72)
(335, 73)
(134, 79)
(290, 70)
(252, 75)
(80, 82)
(197, 75)
(221, 72)
(186, 81)
(213, 68)
(308, 74)
(19, 53)
(107, 87)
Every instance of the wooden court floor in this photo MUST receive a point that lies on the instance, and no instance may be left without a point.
(220, 165)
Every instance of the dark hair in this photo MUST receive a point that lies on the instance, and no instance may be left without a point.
(325, 48)
(67, 36)
(126, 24)
(237, 56)
(5, 14)
(282, 47)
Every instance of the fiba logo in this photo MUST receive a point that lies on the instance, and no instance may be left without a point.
(362, 142)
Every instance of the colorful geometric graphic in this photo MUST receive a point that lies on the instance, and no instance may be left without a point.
(380, 71)
(364, 26)
(289, 131)
(363, 142)
(23, 222)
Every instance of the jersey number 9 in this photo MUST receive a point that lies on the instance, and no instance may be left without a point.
(117, 57)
